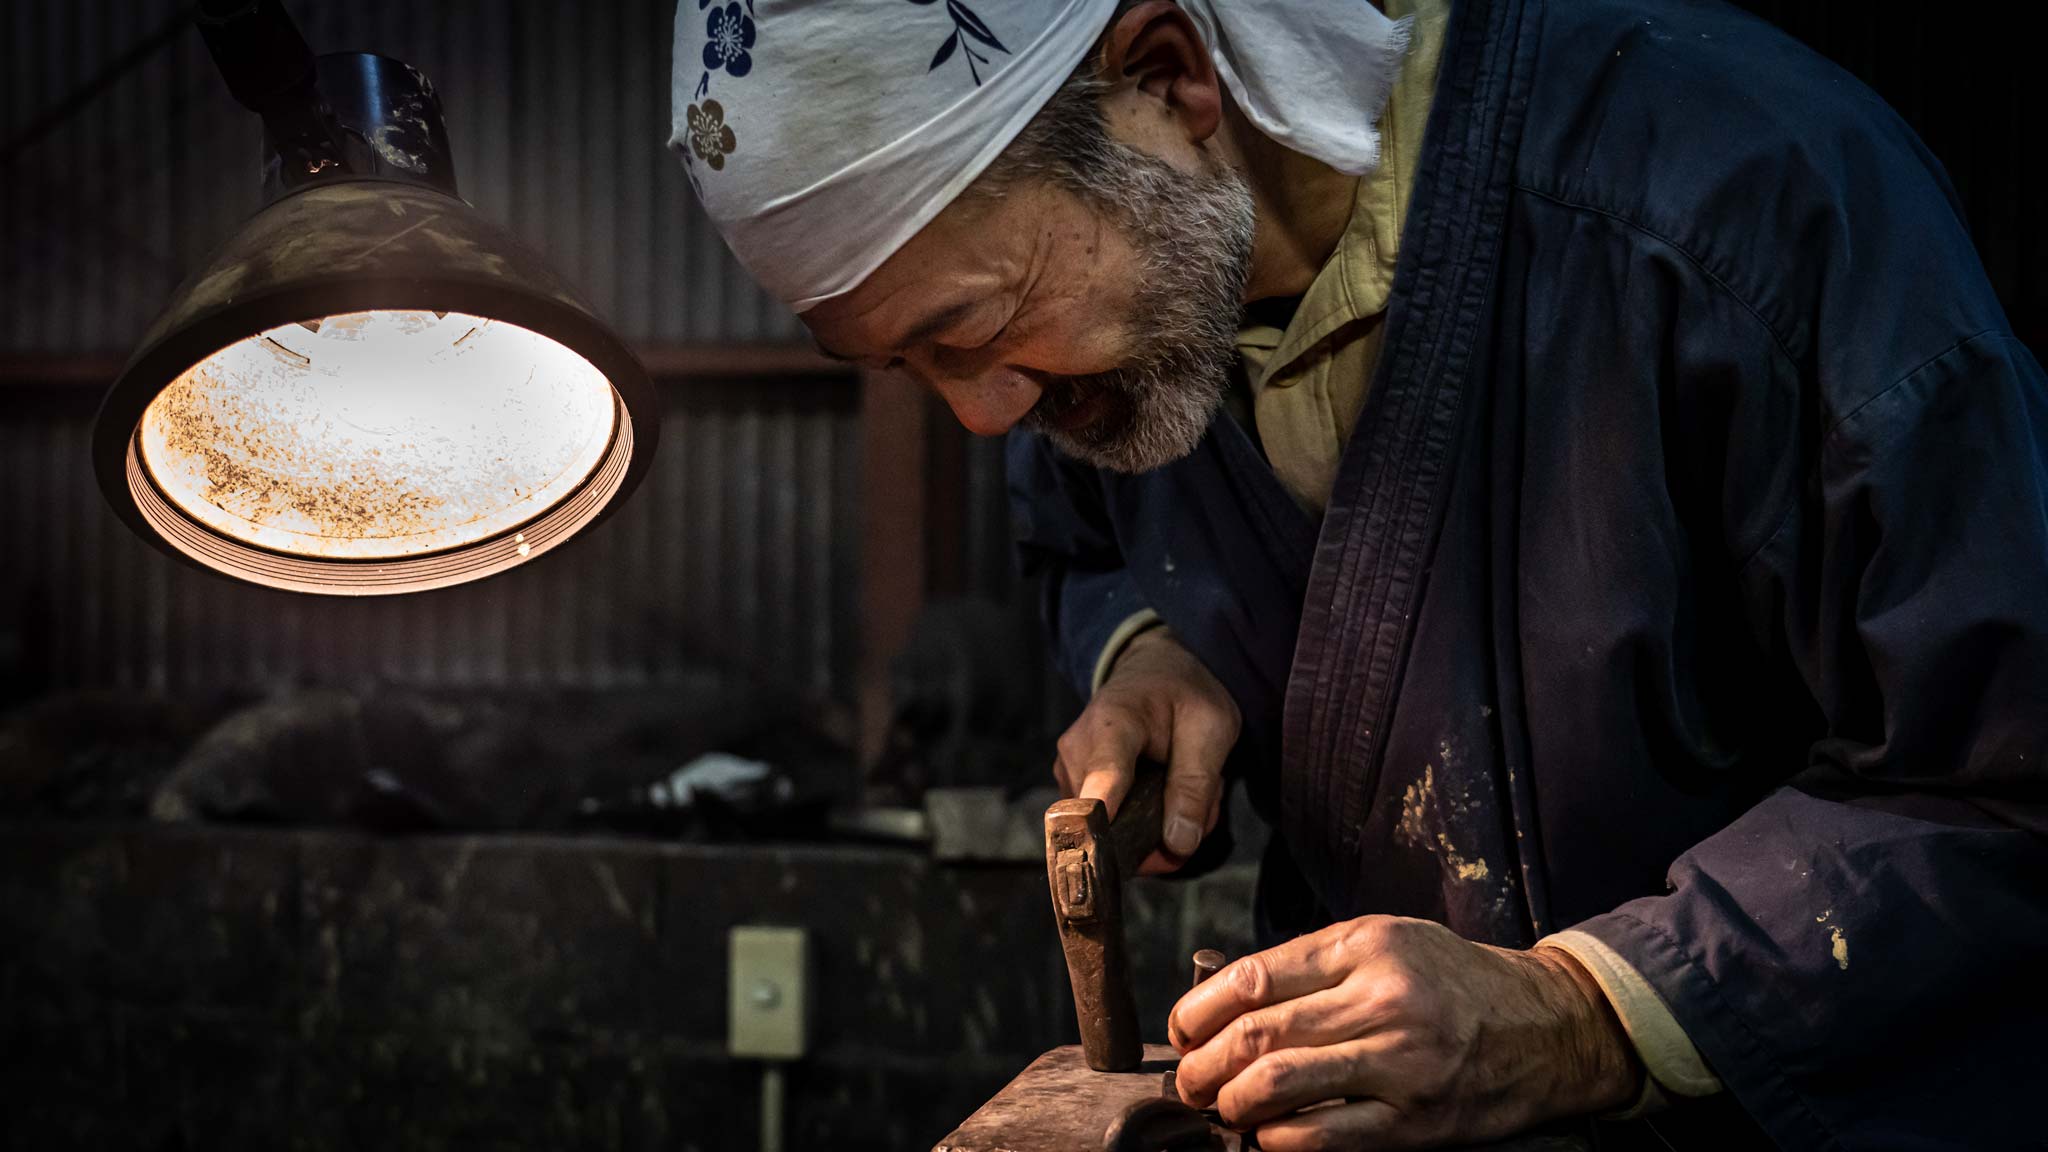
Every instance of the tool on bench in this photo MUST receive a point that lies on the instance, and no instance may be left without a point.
(1165, 1123)
(1207, 964)
(1162, 1124)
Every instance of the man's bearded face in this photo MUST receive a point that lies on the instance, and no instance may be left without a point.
(1084, 288)
(1193, 236)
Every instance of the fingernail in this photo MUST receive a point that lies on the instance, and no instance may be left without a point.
(1182, 835)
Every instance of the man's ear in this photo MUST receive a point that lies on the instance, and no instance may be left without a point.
(1156, 47)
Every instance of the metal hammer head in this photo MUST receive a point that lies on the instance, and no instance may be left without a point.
(1086, 859)
(1087, 897)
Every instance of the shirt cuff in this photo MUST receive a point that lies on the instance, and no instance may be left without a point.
(1143, 620)
(1673, 1063)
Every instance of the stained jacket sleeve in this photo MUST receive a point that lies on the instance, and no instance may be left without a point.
(1065, 541)
(1859, 954)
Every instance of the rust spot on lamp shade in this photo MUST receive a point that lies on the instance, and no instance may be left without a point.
(378, 435)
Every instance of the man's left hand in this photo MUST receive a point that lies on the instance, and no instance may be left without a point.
(1396, 1033)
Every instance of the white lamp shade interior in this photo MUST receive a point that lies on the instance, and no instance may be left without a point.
(378, 435)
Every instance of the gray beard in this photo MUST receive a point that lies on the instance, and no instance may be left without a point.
(1193, 233)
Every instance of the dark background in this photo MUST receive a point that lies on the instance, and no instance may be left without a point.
(505, 976)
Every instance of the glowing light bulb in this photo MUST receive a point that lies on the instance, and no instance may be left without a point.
(378, 435)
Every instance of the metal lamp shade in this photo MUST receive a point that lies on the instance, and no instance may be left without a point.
(370, 389)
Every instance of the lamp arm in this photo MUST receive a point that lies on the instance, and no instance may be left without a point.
(269, 69)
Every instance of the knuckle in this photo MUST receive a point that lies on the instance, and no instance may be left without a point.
(1192, 789)
(1401, 983)
(1391, 993)
(1204, 683)
(1270, 1075)
(1251, 1036)
(1071, 745)
(1251, 980)
(1225, 707)
(1365, 935)
(1413, 933)
(1207, 725)
(1214, 702)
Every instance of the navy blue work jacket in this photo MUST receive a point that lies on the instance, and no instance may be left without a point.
(1685, 579)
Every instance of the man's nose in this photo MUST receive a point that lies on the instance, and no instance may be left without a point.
(989, 403)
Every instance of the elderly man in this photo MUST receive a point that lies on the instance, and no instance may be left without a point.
(1564, 458)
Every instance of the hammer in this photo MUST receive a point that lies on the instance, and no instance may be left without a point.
(1087, 856)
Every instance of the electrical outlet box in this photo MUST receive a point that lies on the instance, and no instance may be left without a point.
(766, 1004)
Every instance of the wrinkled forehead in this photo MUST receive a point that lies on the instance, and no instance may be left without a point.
(822, 135)
(977, 248)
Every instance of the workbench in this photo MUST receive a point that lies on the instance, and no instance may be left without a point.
(1058, 1098)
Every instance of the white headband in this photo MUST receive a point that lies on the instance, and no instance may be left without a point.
(821, 135)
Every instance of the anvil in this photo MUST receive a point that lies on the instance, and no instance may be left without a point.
(1059, 1104)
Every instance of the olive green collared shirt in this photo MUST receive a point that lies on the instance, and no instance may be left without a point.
(1308, 381)
(1304, 381)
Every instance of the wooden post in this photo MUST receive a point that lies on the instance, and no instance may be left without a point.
(893, 539)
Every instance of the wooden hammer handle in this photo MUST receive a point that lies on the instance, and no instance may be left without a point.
(1140, 820)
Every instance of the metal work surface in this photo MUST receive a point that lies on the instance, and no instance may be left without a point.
(1059, 1104)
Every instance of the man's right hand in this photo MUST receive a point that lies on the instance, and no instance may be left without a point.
(1158, 702)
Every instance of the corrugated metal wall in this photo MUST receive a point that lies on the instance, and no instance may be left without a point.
(558, 113)
(736, 553)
